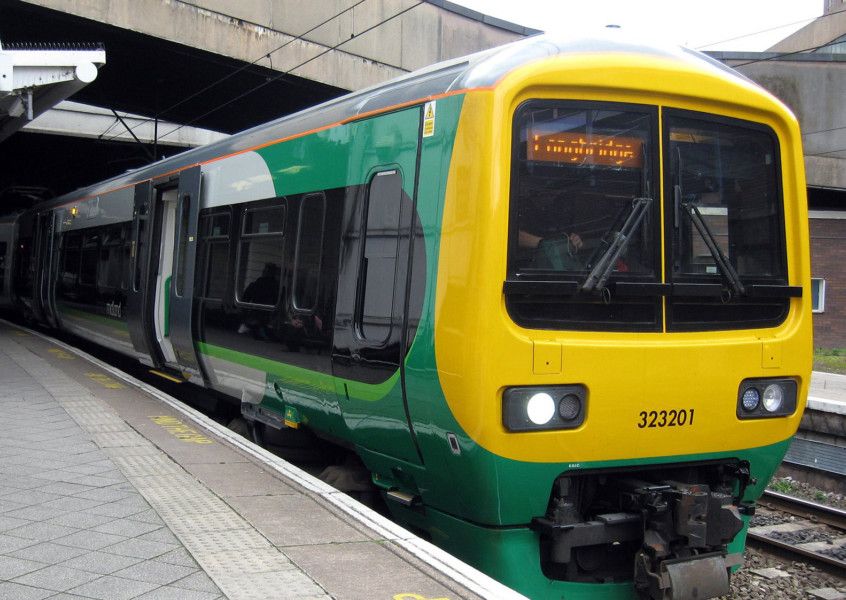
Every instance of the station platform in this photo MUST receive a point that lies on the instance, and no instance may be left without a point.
(827, 392)
(112, 490)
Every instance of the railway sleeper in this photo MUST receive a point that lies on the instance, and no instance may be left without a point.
(668, 529)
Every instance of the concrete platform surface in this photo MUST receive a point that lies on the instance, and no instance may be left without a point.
(827, 392)
(111, 490)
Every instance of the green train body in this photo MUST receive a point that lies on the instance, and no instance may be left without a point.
(362, 270)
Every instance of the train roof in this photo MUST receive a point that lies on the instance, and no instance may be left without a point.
(481, 70)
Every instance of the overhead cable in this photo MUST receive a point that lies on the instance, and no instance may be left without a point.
(292, 69)
(239, 69)
(781, 55)
(740, 37)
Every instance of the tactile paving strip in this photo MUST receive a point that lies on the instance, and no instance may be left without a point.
(260, 560)
(219, 521)
(261, 586)
(212, 542)
(107, 428)
(117, 440)
(166, 484)
(176, 506)
(147, 465)
(241, 562)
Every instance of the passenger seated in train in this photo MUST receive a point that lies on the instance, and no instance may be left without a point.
(264, 291)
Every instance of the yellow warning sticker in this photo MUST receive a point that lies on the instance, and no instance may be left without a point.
(429, 119)
(104, 380)
(180, 430)
(59, 353)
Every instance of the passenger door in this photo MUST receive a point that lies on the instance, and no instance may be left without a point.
(370, 319)
(43, 305)
(160, 301)
(139, 317)
(182, 326)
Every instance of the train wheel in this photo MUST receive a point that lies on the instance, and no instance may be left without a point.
(239, 425)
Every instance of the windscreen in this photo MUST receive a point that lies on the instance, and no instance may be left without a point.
(577, 171)
(724, 176)
(725, 225)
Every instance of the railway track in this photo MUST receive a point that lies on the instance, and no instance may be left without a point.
(801, 530)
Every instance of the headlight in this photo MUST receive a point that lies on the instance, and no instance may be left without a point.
(546, 407)
(570, 407)
(750, 400)
(763, 398)
(540, 408)
(773, 397)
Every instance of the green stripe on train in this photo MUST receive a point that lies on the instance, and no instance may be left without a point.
(65, 312)
(296, 377)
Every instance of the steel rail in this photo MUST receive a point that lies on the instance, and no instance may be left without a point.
(814, 513)
(828, 564)
(806, 509)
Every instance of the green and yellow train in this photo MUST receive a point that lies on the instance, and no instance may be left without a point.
(555, 295)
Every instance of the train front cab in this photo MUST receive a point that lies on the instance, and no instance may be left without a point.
(632, 358)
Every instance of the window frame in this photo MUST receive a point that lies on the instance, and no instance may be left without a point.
(642, 296)
(68, 237)
(295, 287)
(280, 203)
(361, 287)
(652, 161)
(207, 239)
(183, 222)
(702, 291)
(112, 243)
(89, 234)
(708, 118)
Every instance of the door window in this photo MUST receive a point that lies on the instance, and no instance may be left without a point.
(379, 257)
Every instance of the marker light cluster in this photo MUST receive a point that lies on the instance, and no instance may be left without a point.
(544, 407)
(764, 398)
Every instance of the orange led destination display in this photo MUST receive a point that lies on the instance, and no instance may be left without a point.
(588, 149)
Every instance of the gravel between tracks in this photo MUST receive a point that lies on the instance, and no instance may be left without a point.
(800, 489)
(799, 580)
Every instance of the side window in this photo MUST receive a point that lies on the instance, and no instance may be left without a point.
(182, 244)
(110, 270)
(309, 254)
(70, 261)
(260, 254)
(140, 247)
(213, 255)
(126, 252)
(22, 274)
(90, 256)
(379, 257)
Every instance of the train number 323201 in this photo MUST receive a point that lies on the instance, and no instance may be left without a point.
(665, 418)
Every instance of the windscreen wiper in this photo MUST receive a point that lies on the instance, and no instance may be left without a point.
(723, 264)
(603, 268)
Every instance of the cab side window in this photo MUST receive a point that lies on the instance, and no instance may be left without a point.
(379, 257)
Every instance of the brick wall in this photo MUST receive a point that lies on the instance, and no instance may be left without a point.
(828, 261)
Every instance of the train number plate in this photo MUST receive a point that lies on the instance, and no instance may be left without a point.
(665, 418)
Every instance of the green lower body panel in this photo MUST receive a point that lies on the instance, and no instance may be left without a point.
(508, 554)
(511, 556)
